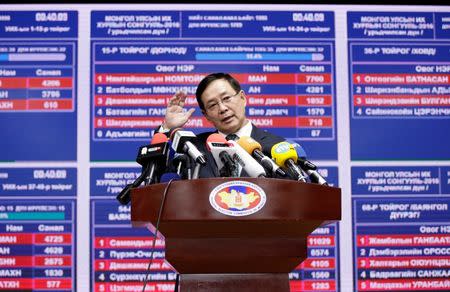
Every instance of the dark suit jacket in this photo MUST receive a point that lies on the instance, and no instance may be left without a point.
(266, 139)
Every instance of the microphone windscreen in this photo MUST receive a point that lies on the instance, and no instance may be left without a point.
(283, 151)
(168, 176)
(249, 144)
(159, 138)
(216, 138)
(300, 150)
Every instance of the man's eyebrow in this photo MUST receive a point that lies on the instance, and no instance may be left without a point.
(219, 97)
(211, 100)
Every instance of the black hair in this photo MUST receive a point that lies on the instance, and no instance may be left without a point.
(213, 77)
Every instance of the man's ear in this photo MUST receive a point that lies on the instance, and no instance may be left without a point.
(244, 97)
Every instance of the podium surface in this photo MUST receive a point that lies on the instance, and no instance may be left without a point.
(210, 247)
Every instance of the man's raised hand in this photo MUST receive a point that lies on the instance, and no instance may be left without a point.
(176, 115)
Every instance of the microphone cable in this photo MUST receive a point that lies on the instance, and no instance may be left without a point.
(161, 208)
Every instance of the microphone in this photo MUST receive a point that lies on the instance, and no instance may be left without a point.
(248, 163)
(284, 155)
(182, 143)
(254, 148)
(154, 157)
(124, 197)
(148, 156)
(308, 166)
(222, 153)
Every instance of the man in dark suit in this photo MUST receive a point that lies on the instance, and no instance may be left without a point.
(222, 102)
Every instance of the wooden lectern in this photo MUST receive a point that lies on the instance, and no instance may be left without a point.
(217, 252)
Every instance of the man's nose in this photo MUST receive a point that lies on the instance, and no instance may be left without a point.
(222, 107)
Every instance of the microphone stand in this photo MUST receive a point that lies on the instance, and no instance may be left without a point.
(124, 197)
(196, 170)
(188, 168)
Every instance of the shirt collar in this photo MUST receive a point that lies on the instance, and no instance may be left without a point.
(246, 130)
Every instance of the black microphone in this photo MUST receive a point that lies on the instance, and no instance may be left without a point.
(124, 197)
(308, 166)
(156, 156)
(153, 159)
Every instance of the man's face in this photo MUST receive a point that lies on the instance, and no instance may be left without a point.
(224, 107)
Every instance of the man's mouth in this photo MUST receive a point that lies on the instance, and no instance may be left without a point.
(227, 119)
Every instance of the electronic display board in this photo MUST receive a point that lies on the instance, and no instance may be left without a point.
(399, 85)
(283, 60)
(38, 82)
(401, 230)
(38, 229)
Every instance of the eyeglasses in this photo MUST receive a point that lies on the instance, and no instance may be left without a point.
(214, 105)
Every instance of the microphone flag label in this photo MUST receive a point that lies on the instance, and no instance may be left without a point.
(237, 198)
